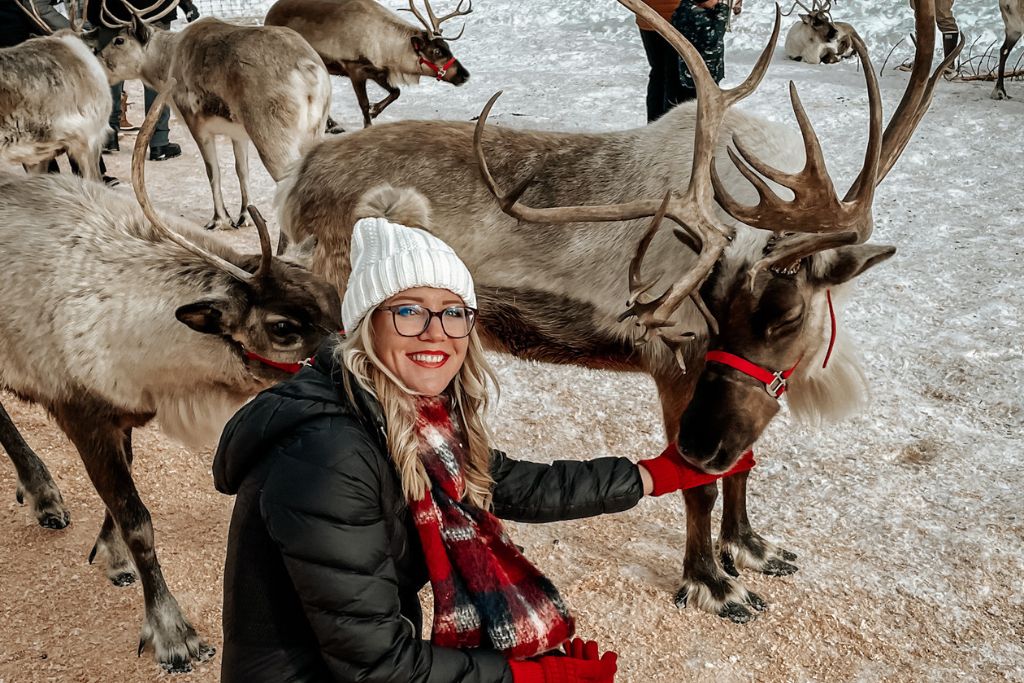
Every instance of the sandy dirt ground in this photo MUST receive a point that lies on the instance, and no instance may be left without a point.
(909, 543)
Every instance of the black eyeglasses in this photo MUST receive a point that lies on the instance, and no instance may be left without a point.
(412, 320)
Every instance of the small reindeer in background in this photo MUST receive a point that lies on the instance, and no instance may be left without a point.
(816, 39)
(363, 40)
(1013, 21)
(259, 83)
(54, 98)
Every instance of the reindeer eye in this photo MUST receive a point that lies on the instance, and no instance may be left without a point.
(118, 41)
(282, 328)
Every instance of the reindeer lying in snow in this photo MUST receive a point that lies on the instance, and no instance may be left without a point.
(551, 282)
(110, 320)
(364, 40)
(54, 98)
(816, 39)
(264, 84)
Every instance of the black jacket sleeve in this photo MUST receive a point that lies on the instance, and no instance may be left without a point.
(326, 516)
(565, 489)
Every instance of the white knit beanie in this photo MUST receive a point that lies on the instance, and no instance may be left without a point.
(388, 258)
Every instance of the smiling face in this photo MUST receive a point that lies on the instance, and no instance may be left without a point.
(426, 363)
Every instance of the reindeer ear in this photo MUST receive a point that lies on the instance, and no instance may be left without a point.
(209, 316)
(806, 18)
(418, 43)
(849, 262)
(139, 29)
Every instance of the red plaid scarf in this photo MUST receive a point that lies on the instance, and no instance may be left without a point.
(483, 586)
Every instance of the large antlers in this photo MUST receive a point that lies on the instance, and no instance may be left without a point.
(433, 27)
(694, 209)
(139, 183)
(816, 207)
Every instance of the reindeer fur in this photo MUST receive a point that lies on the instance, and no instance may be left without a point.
(54, 98)
(109, 324)
(259, 83)
(364, 40)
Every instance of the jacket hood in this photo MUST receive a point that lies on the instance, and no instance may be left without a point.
(315, 392)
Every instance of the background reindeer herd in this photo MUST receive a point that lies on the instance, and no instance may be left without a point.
(134, 317)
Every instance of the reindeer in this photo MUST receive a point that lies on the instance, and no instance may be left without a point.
(363, 40)
(264, 84)
(816, 39)
(53, 99)
(111, 320)
(1013, 22)
(550, 282)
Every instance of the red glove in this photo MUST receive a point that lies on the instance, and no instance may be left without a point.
(669, 472)
(582, 665)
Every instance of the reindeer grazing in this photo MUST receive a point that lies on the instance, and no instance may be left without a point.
(110, 319)
(1013, 22)
(551, 282)
(816, 39)
(364, 40)
(54, 98)
(264, 84)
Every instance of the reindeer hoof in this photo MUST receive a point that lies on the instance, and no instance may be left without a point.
(736, 613)
(240, 221)
(123, 579)
(220, 224)
(776, 567)
(48, 507)
(1000, 95)
(755, 601)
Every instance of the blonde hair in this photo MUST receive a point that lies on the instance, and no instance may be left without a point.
(468, 393)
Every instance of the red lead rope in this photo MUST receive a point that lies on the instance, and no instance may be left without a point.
(286, 367)
(774, 382)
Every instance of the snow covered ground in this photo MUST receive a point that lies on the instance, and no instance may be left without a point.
(908, 519)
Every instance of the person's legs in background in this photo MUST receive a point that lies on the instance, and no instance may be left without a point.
(705, 29)
(663, 87)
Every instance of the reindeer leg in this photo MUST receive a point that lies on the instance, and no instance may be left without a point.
(241, 148)
(380, 77)
(739, 545)
(87, 160)
(100, 442)
(705, 583)
(110, 545)
(999, 93)
(358, 79)
(34, 479)
(208, 149)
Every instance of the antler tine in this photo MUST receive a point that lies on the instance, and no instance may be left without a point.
(457, 12)
(416, 12)
(636, 285)
(144, 11)
(266, 250)
(509, 203)
(918, 95)
(433, 19)
(139, 183)
(108, 19)
(29, 8)
(815, 207)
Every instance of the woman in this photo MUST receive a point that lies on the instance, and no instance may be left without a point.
(370, 473)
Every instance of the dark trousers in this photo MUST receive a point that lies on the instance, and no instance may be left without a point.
(663, 87)
(163, 127)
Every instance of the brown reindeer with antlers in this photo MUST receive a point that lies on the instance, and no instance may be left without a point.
(363, 40)
(111, 320)
(762, 272)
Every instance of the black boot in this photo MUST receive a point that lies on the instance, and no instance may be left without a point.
(949, 43)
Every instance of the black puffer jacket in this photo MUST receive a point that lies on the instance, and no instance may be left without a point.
(324, 562)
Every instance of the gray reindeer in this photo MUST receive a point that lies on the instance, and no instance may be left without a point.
(1012, 12)
(111, 320)
(53, 99)
(552, 282)
(264, 84)
(363, 40)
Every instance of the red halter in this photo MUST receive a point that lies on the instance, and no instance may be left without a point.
(439, 70)
(774, 382)
(285, 367)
